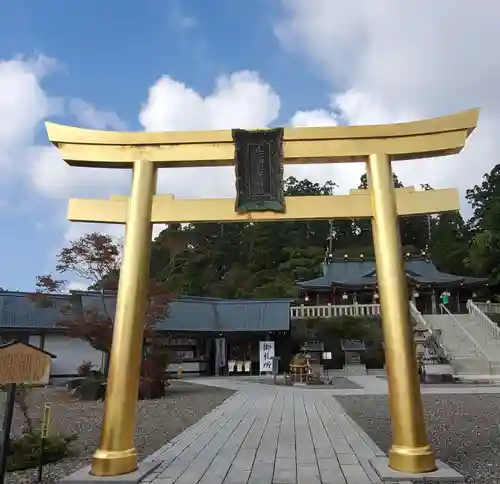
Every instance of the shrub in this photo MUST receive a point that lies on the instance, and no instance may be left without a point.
(25, 450)
(332, 330)
(91, 389)
(85, 369)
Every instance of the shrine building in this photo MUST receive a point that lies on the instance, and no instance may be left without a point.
(348, 281)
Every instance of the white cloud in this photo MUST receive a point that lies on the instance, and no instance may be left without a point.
(54, 179)
(23, 104)
(314, 118)
(88, 116)
(77, 286)
(392, 61)
(239, 100)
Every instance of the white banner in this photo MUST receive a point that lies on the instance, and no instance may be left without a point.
(266, 355)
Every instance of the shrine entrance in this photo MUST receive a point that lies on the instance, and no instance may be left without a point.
(258, 157)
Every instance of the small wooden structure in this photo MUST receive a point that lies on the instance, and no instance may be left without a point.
(353, 350)
(23, 363)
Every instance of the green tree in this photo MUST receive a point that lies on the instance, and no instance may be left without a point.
(414, 230)
(484, 256)
(449, 246)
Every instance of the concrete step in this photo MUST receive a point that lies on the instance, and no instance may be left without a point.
(471, 366)
(466, 357)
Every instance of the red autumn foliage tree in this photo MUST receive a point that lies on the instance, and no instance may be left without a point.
(96, 259)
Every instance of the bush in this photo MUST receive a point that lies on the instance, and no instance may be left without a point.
(91, 389)
(91, 384)
(86, 370)
(25, 450)
(332, 330)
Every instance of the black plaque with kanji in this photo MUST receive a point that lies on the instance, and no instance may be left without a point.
(259, 170)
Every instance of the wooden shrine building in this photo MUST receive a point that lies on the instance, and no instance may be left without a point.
(350, 281)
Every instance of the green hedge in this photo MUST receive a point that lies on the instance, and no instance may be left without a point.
(332, 330)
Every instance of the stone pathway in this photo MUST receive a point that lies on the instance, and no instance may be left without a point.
(270, 435)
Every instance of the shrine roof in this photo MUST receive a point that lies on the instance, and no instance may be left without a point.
(18, 311)
(362, 273)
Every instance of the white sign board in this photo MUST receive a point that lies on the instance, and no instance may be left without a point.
(266, 355)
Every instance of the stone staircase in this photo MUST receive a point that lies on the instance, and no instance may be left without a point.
(465, 341)
(489, 344)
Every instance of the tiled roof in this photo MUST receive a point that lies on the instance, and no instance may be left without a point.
(18, 311)
(363, 273)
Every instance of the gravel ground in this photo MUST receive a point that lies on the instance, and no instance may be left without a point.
(463, 429)
(158, 422)
(452, 384)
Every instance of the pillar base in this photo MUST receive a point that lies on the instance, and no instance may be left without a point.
(412, 459)
(83, 476)
(442, 473)
(113, 463)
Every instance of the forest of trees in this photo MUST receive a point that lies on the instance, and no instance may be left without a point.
(264, 260)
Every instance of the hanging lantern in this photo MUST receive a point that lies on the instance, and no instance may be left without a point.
(416, 294)
(345, 256)
(375, 296)
(361, 256)
(345, 296)
(306, 298)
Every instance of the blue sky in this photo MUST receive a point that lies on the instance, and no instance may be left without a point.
(155, 64)
(110, 53)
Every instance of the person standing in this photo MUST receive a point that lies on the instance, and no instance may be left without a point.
(445, 299)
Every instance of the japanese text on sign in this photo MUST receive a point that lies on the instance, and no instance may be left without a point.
(266, 356)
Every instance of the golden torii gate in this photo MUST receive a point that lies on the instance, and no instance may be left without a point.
(146, 152)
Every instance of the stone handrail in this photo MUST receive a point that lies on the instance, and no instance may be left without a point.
(332, 311)
(416, 315)
(478, 313)
(472, 339)
(488, 307)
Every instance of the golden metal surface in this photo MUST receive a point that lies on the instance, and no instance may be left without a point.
(410, 451)
(58, 133)
(168, 209)
(116, 454)
(340, 144)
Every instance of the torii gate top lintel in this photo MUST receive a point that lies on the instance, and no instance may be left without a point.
(440, 136)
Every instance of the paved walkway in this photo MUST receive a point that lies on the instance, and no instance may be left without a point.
(270, 435)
